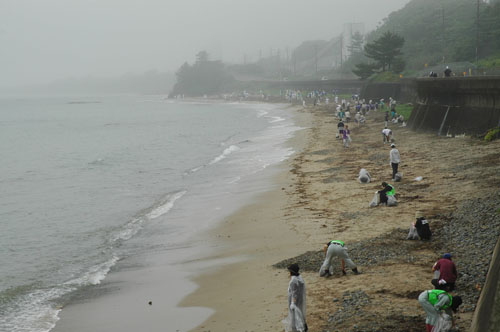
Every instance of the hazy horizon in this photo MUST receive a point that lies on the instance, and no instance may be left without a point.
(52, 40)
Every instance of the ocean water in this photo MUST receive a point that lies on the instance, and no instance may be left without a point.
(88, 181)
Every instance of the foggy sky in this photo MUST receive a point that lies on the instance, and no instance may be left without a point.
(45, 40)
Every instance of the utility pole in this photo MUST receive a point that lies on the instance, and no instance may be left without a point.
(477, 32)
(341, 50)
(287, 60)
(444, 35)
(294, 59)
(316, 58)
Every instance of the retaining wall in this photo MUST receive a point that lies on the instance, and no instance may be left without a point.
(487, 315)
(404, 91)
(454, 106)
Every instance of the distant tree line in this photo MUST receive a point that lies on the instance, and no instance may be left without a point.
(424, 33)
(204, 77)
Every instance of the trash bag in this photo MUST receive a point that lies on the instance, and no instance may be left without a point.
(412, 234)
(364, 176)
(398, 177)
(391, 201)
(375, 200)
(296, 319)
(443, 324)
(295, 322)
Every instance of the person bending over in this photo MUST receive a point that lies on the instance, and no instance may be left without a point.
(434, 301)
(337, 249)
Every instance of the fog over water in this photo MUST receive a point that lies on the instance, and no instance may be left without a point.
(43, 41)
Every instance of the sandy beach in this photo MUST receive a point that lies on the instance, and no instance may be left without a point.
(318, 198)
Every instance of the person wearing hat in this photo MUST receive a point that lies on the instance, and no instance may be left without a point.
(395, 159)
(334, 249)
(435, 301)
(447, 273)
(296, 319)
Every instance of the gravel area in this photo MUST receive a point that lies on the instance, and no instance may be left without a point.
(469, 233)
(470, 236)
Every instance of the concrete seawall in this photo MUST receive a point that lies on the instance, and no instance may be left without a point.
(454, 106)
(447, 106)
(404, 91)
(487, 314)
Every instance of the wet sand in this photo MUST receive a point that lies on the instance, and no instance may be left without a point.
(317, 199)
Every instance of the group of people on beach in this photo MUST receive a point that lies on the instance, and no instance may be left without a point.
(438, 304)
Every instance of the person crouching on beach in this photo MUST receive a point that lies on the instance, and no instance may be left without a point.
(433, 302)
(387, 191)
(334, 249)
(296, 319)
(447, 273)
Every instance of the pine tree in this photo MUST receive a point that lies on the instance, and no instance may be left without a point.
(365, 70)
(385, 49)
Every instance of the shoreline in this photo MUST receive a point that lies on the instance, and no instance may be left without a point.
(139, 279)
(320, 199)
(243, 294)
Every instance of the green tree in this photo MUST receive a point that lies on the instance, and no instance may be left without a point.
(365, 70)
(385, 49)
(398, 65)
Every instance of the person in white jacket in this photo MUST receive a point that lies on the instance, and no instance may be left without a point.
(296, 320)
(395, 159)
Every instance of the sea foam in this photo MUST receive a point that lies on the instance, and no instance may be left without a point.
(166, 205)
(224, 154)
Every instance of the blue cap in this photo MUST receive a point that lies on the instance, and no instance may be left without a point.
(447, 256)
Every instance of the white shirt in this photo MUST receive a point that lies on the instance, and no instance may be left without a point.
(386, 131)
(394, 156)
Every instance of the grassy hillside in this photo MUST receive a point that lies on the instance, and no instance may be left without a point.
(444, 31)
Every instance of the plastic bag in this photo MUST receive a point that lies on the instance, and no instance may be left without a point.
(398, 177)
(375, 200)
(412, 234)
(443, 324)
(391, 201)
(295, 321)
